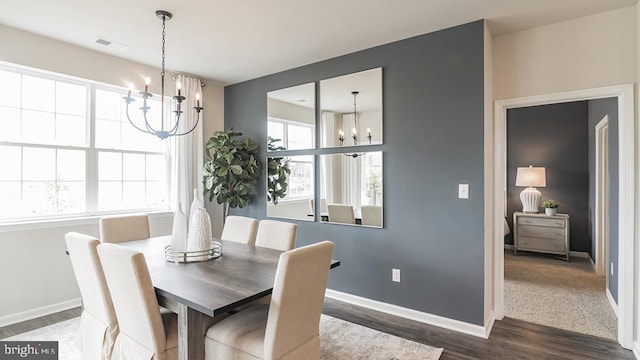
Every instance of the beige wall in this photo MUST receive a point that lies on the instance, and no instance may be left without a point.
(35, 274)
(588, 52)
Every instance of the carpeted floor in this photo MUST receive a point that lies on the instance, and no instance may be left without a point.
(552, 292)
(340, 340)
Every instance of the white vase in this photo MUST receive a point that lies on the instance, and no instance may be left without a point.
(551, 211)
(199, 231)
(195, 204)
(179, 230)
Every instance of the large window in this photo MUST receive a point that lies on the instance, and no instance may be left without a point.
(67, 149)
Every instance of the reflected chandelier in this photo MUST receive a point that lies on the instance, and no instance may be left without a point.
(354, 135)
(162, 133)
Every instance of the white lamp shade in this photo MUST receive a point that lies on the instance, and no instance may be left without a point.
(531, 176)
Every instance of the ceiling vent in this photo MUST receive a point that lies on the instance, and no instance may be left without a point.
(114, 45)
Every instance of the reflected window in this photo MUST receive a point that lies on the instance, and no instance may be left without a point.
(291, 117)
(290, 187)
(292, 135)
(301, 177)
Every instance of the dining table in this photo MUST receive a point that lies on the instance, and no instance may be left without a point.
(200, 291)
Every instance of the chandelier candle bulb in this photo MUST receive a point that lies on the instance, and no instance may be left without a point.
(197, 99)
(147, 81)
(178, 86)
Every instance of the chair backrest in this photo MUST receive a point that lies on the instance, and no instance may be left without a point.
(340, 213)
(297, 298)
(240, 229)
(279, 235)
(134, 298)
(100, 325)
(323, 206)
(371, 215)
(119, 228)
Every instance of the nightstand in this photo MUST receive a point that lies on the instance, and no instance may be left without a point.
(541, 233)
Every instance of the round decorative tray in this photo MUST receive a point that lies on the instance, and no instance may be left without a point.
(193, 256)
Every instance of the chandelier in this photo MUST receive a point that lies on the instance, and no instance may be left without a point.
(163, 132)
(354, 131)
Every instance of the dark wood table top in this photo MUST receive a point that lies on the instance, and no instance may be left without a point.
(242, 274)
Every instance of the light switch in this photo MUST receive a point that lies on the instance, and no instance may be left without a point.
(463, 191)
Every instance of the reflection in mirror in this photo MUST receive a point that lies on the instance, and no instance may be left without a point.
(351, 109)
(290, 187)
(351, 188)
(291, 117)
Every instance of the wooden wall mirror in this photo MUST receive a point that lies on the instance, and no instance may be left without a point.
(351, 188)
(351, 109)
(291, 117)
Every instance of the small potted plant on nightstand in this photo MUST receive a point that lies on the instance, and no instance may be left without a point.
(550, 207)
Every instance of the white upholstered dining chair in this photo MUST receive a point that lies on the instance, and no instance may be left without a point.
(371, 215)
(240, 229)
(119, 228)
(288, 328)
(98, 323)
(340, 213)
(279, 235)
(145, 332)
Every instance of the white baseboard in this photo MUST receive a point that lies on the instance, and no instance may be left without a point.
(430, 319)
(39, 312)
(636, 349)
(612, 302)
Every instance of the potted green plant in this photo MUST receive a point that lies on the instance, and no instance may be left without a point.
(231, 169)
(277, 173)
(550, 207)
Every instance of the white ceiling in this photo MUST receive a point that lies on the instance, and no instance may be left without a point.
(233, 41)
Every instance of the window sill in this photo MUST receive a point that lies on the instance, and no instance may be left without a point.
(26, 225)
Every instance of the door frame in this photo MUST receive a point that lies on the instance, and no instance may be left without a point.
(601, 197)
(626, 191)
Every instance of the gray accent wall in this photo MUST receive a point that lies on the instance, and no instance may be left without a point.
(433, 141)
(555, 137)
(598, 109)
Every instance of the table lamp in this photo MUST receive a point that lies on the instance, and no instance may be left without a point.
(530, 177)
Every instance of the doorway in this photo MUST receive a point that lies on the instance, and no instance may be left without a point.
(626, 209)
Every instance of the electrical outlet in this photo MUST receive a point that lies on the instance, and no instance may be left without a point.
(395, 275)
(611, 269)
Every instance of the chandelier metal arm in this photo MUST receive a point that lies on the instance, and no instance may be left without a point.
(129, 100)
(194, 125)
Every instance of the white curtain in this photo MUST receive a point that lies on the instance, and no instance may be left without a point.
(187, 150)
(328, 136)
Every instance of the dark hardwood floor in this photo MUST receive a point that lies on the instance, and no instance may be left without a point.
(510, 338)
(25, 326)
